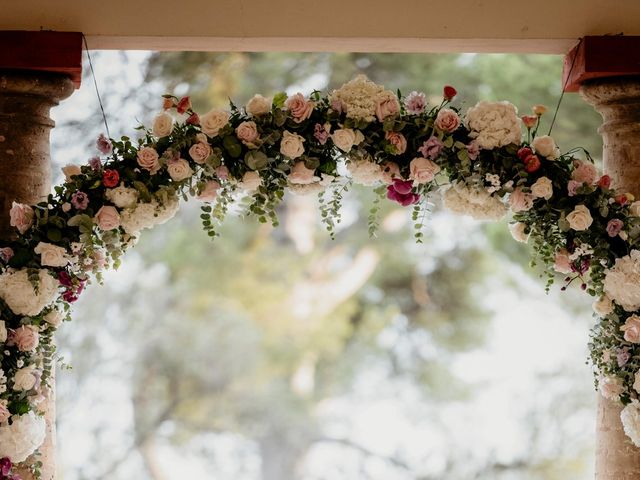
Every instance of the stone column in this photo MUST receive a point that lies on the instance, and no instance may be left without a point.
(618, 101)
(25, 173)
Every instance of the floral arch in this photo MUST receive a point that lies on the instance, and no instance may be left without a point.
(487, 163)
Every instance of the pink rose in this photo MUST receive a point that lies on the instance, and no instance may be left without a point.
(387, 106)
(5, 414)
(21, 216)
(398, 141)
(247, 132)
(299, 107)
(562, 263)
(447, 120)
(222, 172)
(301, 175)
(390, 170)
(614, 227)
(26, 338)
(422, 170)
(585, 172)
(107, 218)
(572, 187)
(520, 201)
(148, 160)
(210, 191)
(200, 152)
(631, 329)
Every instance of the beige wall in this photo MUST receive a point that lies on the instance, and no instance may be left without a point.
(546, 26)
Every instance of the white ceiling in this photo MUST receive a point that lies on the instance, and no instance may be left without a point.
(545, 26)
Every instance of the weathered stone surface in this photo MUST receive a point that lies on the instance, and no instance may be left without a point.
(618, 101)
(25, 173)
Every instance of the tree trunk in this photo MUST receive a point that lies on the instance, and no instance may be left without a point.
(618, 101)
(25, 176)
(280, 458)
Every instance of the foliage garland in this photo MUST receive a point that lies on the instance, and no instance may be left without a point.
(361, 133)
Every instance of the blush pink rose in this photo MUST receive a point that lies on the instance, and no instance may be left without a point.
(447, 120)
(520, 201)
(390, 170)
(148, 160)
(614, 227)
(299, 107)
(422, 170)
(247, 132)
(107, 218)
(200, 152)
(26, 338)
(210, 191)
(562, 263)
(387, 106)
(631, 329)
(301, 175)
(21, 216)
(398, 141)
(222, 172)
(572, 187)
(585, 172)
(5, 414)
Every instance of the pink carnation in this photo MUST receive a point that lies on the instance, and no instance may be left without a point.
(80, 200)
(104, 144)
(614, 227)
(415, 103)
(431, 148)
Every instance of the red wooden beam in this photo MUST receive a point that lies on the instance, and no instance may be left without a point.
(59, 52)
(598, 57)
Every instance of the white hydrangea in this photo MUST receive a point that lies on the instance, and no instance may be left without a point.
(17, 291)
(622, 281)
(493, 124)
(630, 417)
(122, 197)
(311, 188)
(365, 172)
(147, 215)
(358, 98)
(476, 202)
(22, 437)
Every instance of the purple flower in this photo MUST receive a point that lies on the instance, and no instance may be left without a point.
(401, 191)
(96, 164)
(5, 255)
(431, 148)
(80, 200)
(104, 144)
(415, 102)
(614, 227)
(320, 133)
(623, 356)
(5, 466)
(473, 150)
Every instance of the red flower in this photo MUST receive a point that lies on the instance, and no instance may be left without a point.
(193, 119)
(183, 105)
(524, 153)
(531, 163)
(529, 120)
(604, 182)
(449, 92)
(110, 178)
(167, 103)
(621, 199)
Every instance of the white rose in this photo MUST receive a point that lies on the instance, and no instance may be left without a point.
(212, 122)
(518, 232)
(603, 306)
(179, 169)
(3, 332)
(51, 255)
(580, 218)
(54, 317)
(543, 188)
(19, 295)
(634, 208)
(422, 170)
(630, 418)
(258, 105)
(71, 170)
(291, 145)
(344, 138)
(23, 437)
(546, 146)
(250, 181)
(25, 379)
(122, 197)
(162, 125)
